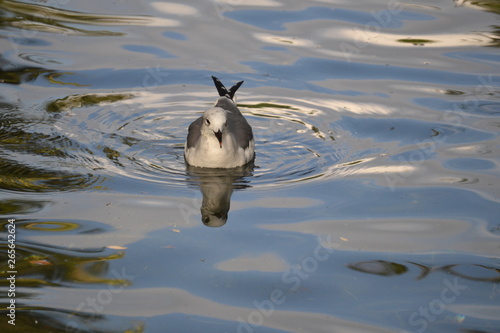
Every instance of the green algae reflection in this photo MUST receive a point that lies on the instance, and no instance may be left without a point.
(416, 41)
(35, 17)
(77, 101)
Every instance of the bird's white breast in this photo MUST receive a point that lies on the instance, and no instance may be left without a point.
(209, 154)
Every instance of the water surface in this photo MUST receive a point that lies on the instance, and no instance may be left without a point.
(372, 205)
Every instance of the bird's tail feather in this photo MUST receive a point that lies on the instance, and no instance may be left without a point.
(223, 90)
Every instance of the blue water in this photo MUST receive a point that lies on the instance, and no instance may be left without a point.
(372, 205)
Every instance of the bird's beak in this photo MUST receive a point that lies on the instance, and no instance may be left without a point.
(218, 134)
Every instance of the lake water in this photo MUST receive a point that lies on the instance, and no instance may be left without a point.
(373, 204)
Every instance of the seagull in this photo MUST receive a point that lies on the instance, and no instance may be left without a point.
(221, 138)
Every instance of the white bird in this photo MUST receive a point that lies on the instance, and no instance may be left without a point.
(221, 138)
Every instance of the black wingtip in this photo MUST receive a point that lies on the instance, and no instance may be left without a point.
(222, 90)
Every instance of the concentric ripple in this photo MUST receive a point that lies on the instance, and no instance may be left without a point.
(295, 140)
(124, 140)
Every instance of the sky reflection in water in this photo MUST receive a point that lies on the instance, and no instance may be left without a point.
(372, 205)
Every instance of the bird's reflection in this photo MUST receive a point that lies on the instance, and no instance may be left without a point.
(217, 186)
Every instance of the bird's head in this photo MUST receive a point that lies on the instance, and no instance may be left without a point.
(215, 121)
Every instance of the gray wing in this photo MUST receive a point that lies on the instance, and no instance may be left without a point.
(241, 130)
(194, 132)
(228, 105)
(237, 124)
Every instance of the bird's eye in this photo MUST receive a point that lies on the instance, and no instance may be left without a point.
(208, 122)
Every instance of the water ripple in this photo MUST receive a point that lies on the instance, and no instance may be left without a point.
(57, 20)
(147, 143)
